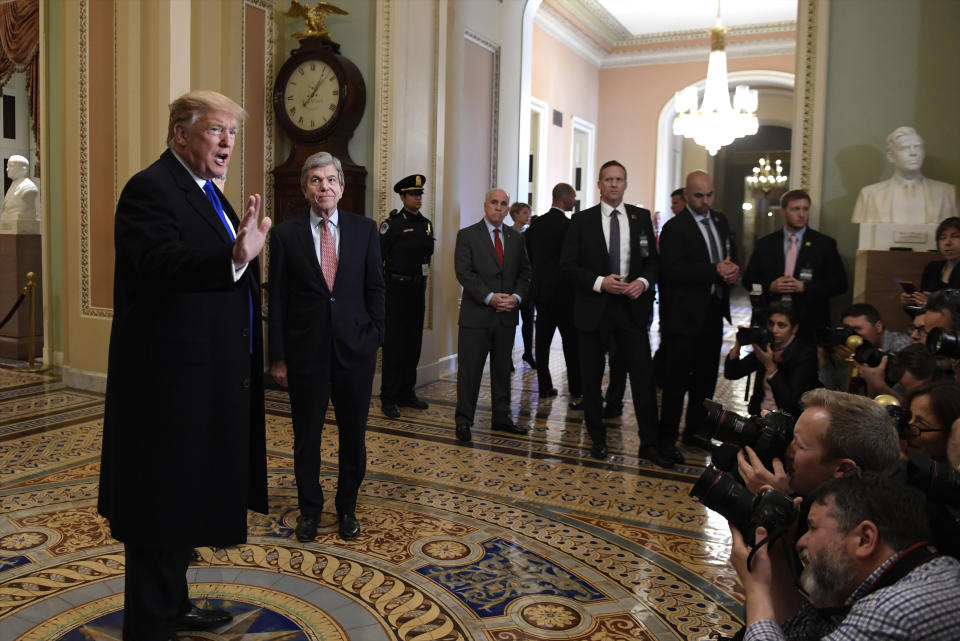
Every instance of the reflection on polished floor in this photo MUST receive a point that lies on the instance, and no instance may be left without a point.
(502, 539)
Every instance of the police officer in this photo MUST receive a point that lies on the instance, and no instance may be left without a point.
(406, 242)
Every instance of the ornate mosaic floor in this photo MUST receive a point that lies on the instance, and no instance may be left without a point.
(500, 539)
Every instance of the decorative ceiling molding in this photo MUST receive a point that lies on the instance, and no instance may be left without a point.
(558, 26)
(593, 33)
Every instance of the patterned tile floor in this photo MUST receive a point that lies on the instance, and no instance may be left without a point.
(501, 539)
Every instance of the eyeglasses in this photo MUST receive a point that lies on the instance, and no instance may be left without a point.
(914, 430)
(920, 329)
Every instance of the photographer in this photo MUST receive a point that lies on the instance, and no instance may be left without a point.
(864, 319)
(935, 409)
(786, 365)
(835, 435)
(869, 570)
(942, 318)
(913, 367)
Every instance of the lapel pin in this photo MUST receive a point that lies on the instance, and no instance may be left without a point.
(806, 244)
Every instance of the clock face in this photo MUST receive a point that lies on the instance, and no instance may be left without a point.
(311, 95)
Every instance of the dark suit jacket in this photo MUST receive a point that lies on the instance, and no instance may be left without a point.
(480, 273)
(544, 243)
(308, 322)
(183, 437)
(819, 254)
(586, 256)
(795, 375)
(931, 281)
(687, 273)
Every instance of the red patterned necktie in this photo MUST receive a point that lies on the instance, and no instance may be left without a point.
(328, 254)
(498, 245)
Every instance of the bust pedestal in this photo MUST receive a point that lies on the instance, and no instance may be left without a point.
(877, 281)
(19, 254)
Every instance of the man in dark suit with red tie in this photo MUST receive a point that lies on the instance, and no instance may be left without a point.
(326, 323)
(184, 452)
(798, 264)
(698, 260)
(492, 266)
(610, 257)
(552, 294)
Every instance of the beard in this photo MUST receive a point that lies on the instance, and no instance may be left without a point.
(826, 575)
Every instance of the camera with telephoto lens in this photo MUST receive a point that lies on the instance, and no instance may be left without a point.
(943, 342)
(768, 435)
(720, 492)
(939, 481)
(757, 333)
(833, 336)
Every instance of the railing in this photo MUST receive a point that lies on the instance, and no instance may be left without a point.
(27, 295)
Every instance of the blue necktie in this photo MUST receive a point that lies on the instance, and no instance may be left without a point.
(218, 207)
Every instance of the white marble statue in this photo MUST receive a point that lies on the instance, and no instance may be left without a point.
(907, 197)
(20, 202)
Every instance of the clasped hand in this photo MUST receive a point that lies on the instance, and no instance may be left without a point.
(613, 284)
(503, 302)
(728, 270)
(787, 285)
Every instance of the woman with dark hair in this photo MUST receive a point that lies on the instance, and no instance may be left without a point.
(786, 367)
(940, 274)
(935, 409)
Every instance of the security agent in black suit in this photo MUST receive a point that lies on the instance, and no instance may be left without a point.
(552, 294)
(818, 270)
(492, 266)
(610, 258)
(184, 451)
(406, 244)
(698, 264)
(326, 323)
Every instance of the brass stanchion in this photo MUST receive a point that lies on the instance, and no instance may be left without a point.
(28, 290)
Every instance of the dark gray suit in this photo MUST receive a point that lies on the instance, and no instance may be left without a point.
(484, 330)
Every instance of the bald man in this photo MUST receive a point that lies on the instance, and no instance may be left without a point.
(492, 266)
(698, 265)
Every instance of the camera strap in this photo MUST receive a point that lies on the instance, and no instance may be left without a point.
(906, 561)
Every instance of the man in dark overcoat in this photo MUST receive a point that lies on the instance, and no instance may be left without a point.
(184, 452)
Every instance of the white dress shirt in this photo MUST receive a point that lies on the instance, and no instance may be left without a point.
(624, 224)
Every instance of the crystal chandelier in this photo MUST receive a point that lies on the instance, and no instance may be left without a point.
(715, 124)
(766, 177)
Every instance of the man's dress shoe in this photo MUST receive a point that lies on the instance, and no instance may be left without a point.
(463, 433)
(655, 455)
(199, 619)
(306, 530)
(599, 451)
(549, 392)
(675, 454)
(349, 527)
(576, 403)
(414, 402)
(612, 411)
(511, 428)
(390, 409)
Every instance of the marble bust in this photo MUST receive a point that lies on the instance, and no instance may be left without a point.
(907, 197)
(20, 201)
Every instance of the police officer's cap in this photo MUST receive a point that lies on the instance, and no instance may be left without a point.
(411, 185)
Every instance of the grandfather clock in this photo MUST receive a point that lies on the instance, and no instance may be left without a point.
(318, 99)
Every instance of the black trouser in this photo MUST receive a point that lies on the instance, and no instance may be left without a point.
(618, 377)
(155, 591)
(473, 346)
(634, 346)
(350, 391)
(526, 325)
(403, 336)
(550, 317)
(690, 363)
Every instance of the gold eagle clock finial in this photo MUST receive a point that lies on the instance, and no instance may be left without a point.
(314, 18)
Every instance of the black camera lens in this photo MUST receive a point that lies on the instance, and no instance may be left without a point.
(939, 482)
(943, 342)
(753, 336)
(868, 354)
(721, 493)
(901, 418)
(833, 336)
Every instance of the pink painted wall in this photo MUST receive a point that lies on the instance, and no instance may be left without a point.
(570, 84)
(632, 100)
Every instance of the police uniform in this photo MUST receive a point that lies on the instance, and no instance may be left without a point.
(406, 243)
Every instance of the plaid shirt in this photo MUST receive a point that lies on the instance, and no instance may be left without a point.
(920, 606)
